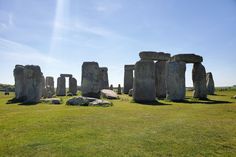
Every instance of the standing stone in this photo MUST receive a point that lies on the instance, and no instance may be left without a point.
(61, 86)
(119, 89)
(144, 81)
(128, 78)
(199, 81)
(50, 86)
(175, 81)
(44, 90)
(210, 84)
(90, 86)
(111, 87)
(28, 83)
(104, 84)
(72, 85)
(19, 76)
(160, 72)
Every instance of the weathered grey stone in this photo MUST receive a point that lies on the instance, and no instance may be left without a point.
(109, 94)
(72, 85)
(104, 84)
(90, 85)
(175, 81)
(28, 83)
(111, 87)
(128, 78)
(119, 89)
(131, 92)
(144, 81)
(44, 90)
(50, 86)
(210, 84)
(19, 76)
(61, 86)
(199, 81)
(152, 55)
(66, 75)
(51, 100)
(87, 101)
(187, 58)
(160, 75)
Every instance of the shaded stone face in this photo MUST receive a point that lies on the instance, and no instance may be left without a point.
(199, 81)
(175, 81)
(90, 86)
(29, 83)
(160, 76)
(61, 86)
(128, 78)
(50, 86)
(187, 58)
(66, 75)
(152, 55)
(210, 84)
(144, 81)
(119, 89)
(73, 86)
(111, 87)
(104, 84)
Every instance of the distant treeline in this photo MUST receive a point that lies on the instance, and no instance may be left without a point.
(4, 87)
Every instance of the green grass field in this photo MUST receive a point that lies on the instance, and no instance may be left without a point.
(192, 128)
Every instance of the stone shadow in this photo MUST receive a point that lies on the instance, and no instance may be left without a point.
(21, 102)
(151, 103)
(203, 101)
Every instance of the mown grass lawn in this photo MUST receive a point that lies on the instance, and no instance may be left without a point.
(192, 128)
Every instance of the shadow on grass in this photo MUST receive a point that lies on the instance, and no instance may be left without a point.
(151, 103)
(203, 101)
(20, 101)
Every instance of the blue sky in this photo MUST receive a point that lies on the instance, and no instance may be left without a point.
(59, 35)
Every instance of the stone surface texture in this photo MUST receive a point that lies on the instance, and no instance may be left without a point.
(210, 84)
(199, 81)
(187, 58)
(90, 85)
(152, 55)
(28, 83)
(160, 76)
(104, 83)
(144, 81)
(109, 94)
(175, 81)
(128, 78)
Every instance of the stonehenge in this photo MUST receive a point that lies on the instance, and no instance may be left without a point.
(119, 89)
(199, 81)
(61, 85)
(90, 83)
(175, 81)
(210, 85)
(128, 78)
(169, 77)
(28, 83)
(50, 90)
(104, 84)
(144, 83)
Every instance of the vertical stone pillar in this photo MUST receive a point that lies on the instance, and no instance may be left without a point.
(104, 84)
(160, 75)
(61, 86)
(44, 90)
(210, 84)
(175, 81)
(128, 78)
(72, 85)
(199, 81)
(119, 89)
(144, 81)
(90, 85)
(111, 87)
(50, 86)
(19, 81)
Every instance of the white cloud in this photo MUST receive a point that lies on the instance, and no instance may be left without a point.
(17, 52)
(6, 21)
